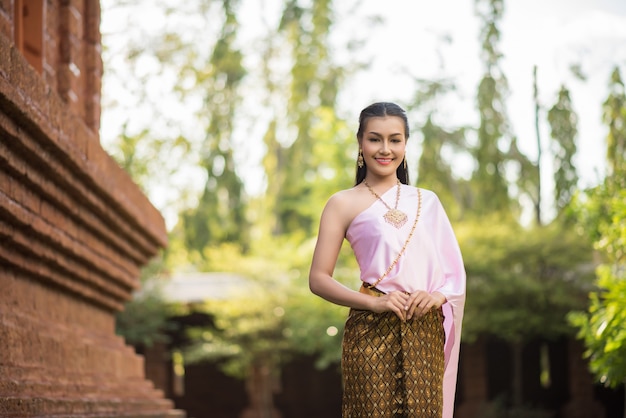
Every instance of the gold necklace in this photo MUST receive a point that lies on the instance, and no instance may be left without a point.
(394, 216)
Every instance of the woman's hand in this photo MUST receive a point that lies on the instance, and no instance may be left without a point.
(420, 302)
(396, 302)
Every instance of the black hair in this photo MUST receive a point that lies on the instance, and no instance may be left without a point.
(377, 110)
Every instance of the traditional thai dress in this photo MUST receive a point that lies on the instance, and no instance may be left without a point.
(393, 368)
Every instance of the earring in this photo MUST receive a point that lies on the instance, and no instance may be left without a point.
(405, 169)
(359, 160)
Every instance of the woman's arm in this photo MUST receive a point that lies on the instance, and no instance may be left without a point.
(332, 230)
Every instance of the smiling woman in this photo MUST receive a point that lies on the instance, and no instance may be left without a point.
(401, 339)
(382, 135)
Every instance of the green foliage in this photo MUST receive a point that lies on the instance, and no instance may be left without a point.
(298, 189)
(434, 168)
(279, 316)
(314, 326)
(269, 324)
(247, 329)
(494, 139)
(602, 326)
(521, 282)
(219, 217)
(273, 318)
(603, 216)
(142, 124)
(145, 319)
(310, 93)
(615, 117)
(563, 121)
(489, 177)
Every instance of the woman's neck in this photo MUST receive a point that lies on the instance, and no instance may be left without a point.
(382, 182)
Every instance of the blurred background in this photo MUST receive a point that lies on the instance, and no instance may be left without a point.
(238, 117)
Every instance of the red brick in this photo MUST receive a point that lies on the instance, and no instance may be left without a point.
(82, 227)
(65, 49)
(70, 21)
(93, 61)
(82, 136)
(57, 118)
(51, 50)
(5, 182)
(6, 27)
(6, 230)
(31, 201)
(5, 56)
(6, 157)
(6, 6)
(15, 193)
(92, 21)
(64, 84)
(92, 112)
(52, 215)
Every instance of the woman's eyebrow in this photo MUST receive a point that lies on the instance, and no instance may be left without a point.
(380, 135)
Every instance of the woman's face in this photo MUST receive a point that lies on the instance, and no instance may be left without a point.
(383, 144)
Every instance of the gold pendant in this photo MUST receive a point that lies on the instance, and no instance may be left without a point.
(395, 217)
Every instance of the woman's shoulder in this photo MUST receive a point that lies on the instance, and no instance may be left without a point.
(429, 199)
(343, 197)
(345, 193)
(426, 193)
(346, 204)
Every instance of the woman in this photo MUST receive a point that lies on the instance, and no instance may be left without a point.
(401, 339)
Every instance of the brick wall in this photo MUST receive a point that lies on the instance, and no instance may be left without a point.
(74, 233)
(71, 57)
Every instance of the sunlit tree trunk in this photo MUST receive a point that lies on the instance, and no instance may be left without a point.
(539, 147)
(261, 385)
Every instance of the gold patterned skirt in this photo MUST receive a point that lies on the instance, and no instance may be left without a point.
(393, 368)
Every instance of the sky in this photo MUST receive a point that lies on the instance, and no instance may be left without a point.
(432, 39)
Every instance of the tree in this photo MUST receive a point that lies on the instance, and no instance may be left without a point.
(498, 161)
(312, 88)
(149, 121)
(536, 197)
(309, 153)
(563, 121)
(602, 327)
(145, 319)
(273, 318)
(219, 216)
(526, 283)
(434, 169)
(615, 118)
(490, 177)
(603, 214)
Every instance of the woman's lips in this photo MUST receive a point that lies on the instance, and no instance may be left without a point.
(384, 161)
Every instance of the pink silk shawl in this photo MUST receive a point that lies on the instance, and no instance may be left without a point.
(432, 261)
